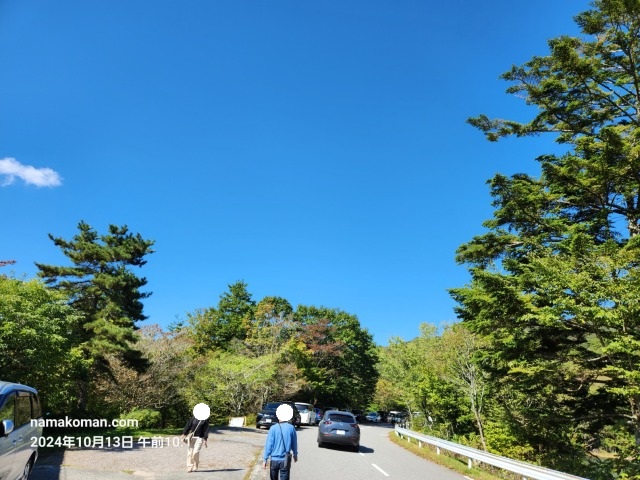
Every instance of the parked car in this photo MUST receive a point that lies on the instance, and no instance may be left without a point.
(267, 415)
(373, 417)
(326, 409)
(360, 416)
(339, 427)
(307, 413)
(318, 415)
(399, 418)
(19, 404)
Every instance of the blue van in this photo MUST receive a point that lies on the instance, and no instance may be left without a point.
(19, 439)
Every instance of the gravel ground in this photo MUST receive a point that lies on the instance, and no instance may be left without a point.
(231, 454)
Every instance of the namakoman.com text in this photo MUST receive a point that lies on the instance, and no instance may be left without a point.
(84, 422)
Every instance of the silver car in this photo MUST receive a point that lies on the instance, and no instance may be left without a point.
(19, 439)
(373, 417)
(339, 427)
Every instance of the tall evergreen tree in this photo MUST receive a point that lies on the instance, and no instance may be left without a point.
(555, 280)
(103, 288)
(217, 327)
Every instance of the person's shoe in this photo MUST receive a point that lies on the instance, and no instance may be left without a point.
(190, 470)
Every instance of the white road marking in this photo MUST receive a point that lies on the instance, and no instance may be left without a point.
(380, 470)
(468, 478)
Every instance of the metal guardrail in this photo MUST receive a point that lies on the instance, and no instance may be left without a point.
(527, 470)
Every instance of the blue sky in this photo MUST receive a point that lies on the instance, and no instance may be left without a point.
(316, 150)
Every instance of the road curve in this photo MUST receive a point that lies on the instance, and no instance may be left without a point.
(378, 459)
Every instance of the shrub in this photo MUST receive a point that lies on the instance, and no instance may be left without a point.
(146, 417)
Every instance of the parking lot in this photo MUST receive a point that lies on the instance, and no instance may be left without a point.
(230, 455)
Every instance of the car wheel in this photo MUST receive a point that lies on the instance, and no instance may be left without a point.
(320, 444)
(27, 471)
(356, 448)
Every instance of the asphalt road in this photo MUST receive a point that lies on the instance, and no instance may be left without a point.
(378, 459)
(231, 455)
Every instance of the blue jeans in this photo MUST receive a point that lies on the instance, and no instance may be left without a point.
(276, 467)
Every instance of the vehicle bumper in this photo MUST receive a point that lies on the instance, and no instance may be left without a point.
(338, 439)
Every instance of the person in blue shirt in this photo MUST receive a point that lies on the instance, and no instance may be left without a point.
(281, 440)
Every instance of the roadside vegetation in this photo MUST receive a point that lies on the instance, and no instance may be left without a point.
(446, 460)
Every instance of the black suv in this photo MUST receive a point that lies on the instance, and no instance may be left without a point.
(267, 415)
(360, 416)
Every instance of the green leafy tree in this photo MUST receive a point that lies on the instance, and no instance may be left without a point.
(459, 352)
(35, 342)
(103, 288)
(337, 356)
(159, 388)
(271, 326)
(555, 279)
(417, 370)
(233, 384)
(215, 328)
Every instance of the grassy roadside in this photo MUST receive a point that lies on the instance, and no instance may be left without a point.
(254, 462)
(451, 462)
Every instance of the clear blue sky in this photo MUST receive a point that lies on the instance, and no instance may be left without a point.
(316, 150)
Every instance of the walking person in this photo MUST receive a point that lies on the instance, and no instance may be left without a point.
(282, 442)
(195, 434)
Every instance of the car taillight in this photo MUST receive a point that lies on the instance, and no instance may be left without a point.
(327, 422)
(355, 425)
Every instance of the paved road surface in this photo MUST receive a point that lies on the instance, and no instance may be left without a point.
(378, 459)
(229, 456)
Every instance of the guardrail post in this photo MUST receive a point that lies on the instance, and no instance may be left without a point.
(469, 463)
(438, 450)
(419, 443)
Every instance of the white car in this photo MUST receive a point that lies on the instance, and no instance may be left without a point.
(307, 413)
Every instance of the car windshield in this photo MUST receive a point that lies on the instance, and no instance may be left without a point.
(302, 408)
(341, 417)
(272, 406)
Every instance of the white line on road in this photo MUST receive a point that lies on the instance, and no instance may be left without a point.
(380, 470)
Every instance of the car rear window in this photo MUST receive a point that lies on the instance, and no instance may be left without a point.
(271, 406)
(341, 417)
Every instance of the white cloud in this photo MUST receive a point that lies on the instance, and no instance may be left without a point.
(40, 177)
